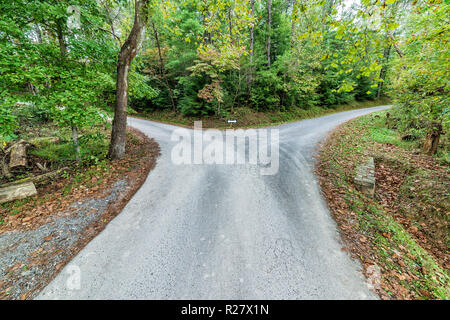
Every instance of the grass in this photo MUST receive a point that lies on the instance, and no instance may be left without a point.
(405, 264)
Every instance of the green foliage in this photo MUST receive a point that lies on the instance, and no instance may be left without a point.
(198, 58)
(420, 80)
(94, 147)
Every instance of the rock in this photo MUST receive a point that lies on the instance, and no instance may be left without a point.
(17, 191)
(365, 179)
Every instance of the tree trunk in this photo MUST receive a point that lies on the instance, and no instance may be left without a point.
(269, 28)
(432, 140)
(252, 41)
(386, 54)
(76, 143)
(397, 49)
(38, 33)
(18, 155)
(61, 41)
(230, 24)
(161, 67)
(294, 21)
(126, 55)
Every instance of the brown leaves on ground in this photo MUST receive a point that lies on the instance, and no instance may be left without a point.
(52, 198)
(51, 202)
(421, 210)
(417, 200)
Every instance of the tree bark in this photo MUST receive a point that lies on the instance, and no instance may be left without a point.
(252, 41)
(383, 71)
(294, 21)
(269, 28)
(230, 24)
(61, 41)
(126, 55)
(161, 67)
(432, 139)
(63, 51)
(397, 49)
(76, 143)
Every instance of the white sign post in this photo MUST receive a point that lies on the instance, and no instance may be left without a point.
(231, 122)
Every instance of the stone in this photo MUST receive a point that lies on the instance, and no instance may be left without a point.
(365, 179)
(17, 191)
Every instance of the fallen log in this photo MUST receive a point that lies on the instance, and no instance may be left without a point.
(18, 155)
(17, 191)
(36, 179)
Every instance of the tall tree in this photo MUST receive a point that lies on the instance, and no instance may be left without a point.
(252, 44)
(294, 20)
(269, 28)
(126, 55)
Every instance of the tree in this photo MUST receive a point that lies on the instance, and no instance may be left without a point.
(269, 29)
(127, 53)
(64, 73)
(251, 45)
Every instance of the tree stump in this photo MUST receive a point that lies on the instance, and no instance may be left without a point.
(431, 143)
(18, 155)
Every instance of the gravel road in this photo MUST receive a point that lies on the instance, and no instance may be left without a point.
(199, 231)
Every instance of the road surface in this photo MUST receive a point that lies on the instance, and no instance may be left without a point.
(217, 231)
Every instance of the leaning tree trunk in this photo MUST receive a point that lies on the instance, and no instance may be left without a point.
(126, 55)
(76, 143)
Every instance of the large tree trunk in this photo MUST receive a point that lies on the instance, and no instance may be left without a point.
(269, 28)
(126, 55)
(252, 41)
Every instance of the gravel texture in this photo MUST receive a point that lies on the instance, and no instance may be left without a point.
(28, 257)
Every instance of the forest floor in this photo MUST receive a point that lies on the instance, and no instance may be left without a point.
(401, 234)
(246, 117)
(40, 234)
